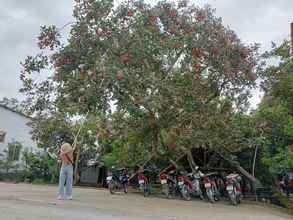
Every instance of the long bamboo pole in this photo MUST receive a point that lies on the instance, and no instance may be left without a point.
(76, 176)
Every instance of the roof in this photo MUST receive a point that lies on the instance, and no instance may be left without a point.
(15, 110)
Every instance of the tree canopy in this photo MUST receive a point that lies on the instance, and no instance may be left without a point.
(175, 74)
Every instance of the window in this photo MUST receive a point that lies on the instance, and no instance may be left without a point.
(2, 135)
(14, 149)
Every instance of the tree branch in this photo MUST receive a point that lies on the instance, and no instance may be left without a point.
(174, 62)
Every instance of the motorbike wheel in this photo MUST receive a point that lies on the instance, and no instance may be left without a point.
(111, 187)
(125, 188)
(238, 199)
(232, 197)
(201, 196)
(216, 194)
(210, 195)
(165, 190)
(185, 194)
(146, 191)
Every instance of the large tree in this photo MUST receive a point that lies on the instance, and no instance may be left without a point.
(172, 70)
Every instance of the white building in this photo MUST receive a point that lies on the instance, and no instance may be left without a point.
(15, 125)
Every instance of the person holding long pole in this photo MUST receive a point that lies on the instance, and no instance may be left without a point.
(66, 171)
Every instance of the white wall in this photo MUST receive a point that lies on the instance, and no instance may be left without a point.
(17, 129)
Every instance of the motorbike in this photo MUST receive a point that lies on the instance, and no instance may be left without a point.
(195, 179)
(210, 188)
(117, 179)
(143, 182)
(169, 183)
(184, 186)
(233, 188)
(164, 184)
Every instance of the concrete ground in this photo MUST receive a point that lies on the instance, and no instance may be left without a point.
(21, 201)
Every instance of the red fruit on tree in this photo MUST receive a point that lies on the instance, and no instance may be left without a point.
(94, 76)
(108, 33)
(200, 18)
(215, 51)
(120, 75)
(130, 13)
(196, 52)
(188, 30)
(99, 32)
(152, 19)
(125, 57)
(157, 29)
(56, 77)
(197, 76)
(197, 67)
(172, 146)
(173, 14)
(252, 77)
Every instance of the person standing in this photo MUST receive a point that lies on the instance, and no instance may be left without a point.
(66, 172)
(286, 184)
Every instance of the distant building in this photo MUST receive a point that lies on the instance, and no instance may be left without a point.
(14, 127)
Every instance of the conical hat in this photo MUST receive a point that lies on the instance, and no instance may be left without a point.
(66, 148)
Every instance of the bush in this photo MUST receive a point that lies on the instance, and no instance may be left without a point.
(283, 201)
(12, 177)
(40, 166)
(39, 182)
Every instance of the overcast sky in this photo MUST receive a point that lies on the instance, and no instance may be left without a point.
(260, 21)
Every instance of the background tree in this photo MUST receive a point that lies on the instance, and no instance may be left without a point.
(275, 111)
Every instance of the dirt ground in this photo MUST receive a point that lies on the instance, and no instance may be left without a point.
(21, 201)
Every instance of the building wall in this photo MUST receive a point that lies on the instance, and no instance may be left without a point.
(16, 129)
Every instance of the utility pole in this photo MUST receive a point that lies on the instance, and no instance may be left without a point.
(292, 38)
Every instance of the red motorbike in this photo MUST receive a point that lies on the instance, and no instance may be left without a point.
(185, 187)
(233, 188)
(210, 188)
(172, 184)
(165, 182)
(143, 184)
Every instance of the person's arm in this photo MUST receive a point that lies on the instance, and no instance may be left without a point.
(201, 174)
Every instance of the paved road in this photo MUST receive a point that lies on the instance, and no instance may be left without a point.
(20, 201)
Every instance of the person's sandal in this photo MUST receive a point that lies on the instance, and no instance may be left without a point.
(60, 198)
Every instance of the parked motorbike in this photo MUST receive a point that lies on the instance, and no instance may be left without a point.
(169, 183)
(210, 188)
(195, 189)
(143, 182)
(184, 186)
(233, 188)
(164, 184)
(176, 183)
(117, 179)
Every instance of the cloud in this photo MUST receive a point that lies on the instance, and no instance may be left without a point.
(260, 21)
(20, 22)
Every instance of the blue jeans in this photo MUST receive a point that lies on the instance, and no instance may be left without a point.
(66, 173)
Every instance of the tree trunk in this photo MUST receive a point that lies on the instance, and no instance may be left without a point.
(205, 158)
(240, 169)
(191, 162)
(174, 164)
(254, 160)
